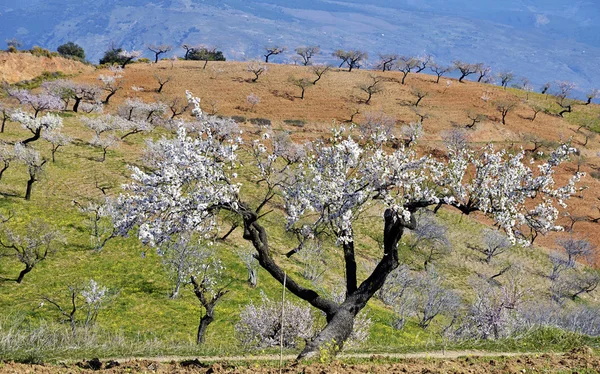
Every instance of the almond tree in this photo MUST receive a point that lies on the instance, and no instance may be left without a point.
(36, 125)
(41, 102)
(39, 241)
(273, 51)
(301, 83)
(483, 71)
(128, 57)
(406, 64)
(111, 83)
(371, 88)
(593, 94)
(352, 58)
(256, 68)
(387, 61)
(57, 140)
(307, 53)
(5, 113)
(504, 107)
(505, 78)
(319, 70)
(439, 71)
(159, 50)
(190, 180)
(465, 69)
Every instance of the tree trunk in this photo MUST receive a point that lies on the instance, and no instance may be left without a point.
(109, 96)
(333, 336)
(29, 188)
(204, 322)
(76, 105)
(36, 136)
(23, 273)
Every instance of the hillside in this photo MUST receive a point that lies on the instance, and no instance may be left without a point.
(16, 67)
(542, 40)
(142, 321)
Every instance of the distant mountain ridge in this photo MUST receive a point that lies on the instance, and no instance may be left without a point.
(542, 40)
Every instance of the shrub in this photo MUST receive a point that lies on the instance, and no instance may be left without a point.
(12, 49)
(295, 122)
(71, 49)
(260, 325)
(239, 119)
(40, 52)
(144, 60)
(205, 54)
(260, 121)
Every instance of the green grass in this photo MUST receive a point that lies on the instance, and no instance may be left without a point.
(142, 320)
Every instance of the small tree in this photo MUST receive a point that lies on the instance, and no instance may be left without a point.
(7, 155)
(430, 240)
(307, 53)
(423, 62)
(111, 83)
(35, 165)
(319, 70)
(563, 90)
(251, 264)
(273, 51)
(483, 71)
(252, 100)
(505, 78)
(439, 71)
(260, 326)
(104, 142)
(475, 118)
(49, 122)
(494, 244)
(205, 53)
(159, 50)
(39, 241)
(89, 298)
(545, 88)
(39, 103)
(432, 299)
(256, 68)
(371, 88)
(406, 64)
(57, 140)
(387, 62)
(465, 69)
(419, 93)
(352, 58)
(128, 57)
(5, 113)
(71, 49)
(161, 80)
(504, 107)
(593, 94)
(301, 83)
(98, 216)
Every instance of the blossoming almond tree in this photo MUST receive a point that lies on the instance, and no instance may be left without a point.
(190, 180)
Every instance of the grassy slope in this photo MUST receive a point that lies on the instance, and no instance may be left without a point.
(142, 310)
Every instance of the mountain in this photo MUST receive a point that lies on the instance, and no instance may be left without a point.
(542, 40)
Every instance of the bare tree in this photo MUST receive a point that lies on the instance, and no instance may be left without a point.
(252, 100)
(208, 294)
(99, 220)
(439, 71)
(406, 64)
(256, 68)
(178, 106)
(159, 50)
(475, 118)
(433, 299)
(273, 51)
(536, 109)
(483, 71)
(456, 139)
(371, 88)
(505, 78)
(494, 244)
(397, 292)
(387, 62)
(545, 88)
(419, 93)
(504, 107)
(161, 80)
(301, 83)
(465, 69)
(39, 241)
(319, 70)
(423, 62)
(430, 239)
(352, 58)
(307, 53)
(576, 249)
(593, 94)
(563, 90)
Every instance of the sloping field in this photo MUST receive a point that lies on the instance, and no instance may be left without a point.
(16, 67)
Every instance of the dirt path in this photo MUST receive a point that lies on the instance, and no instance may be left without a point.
(582, 360)
(290, 358)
